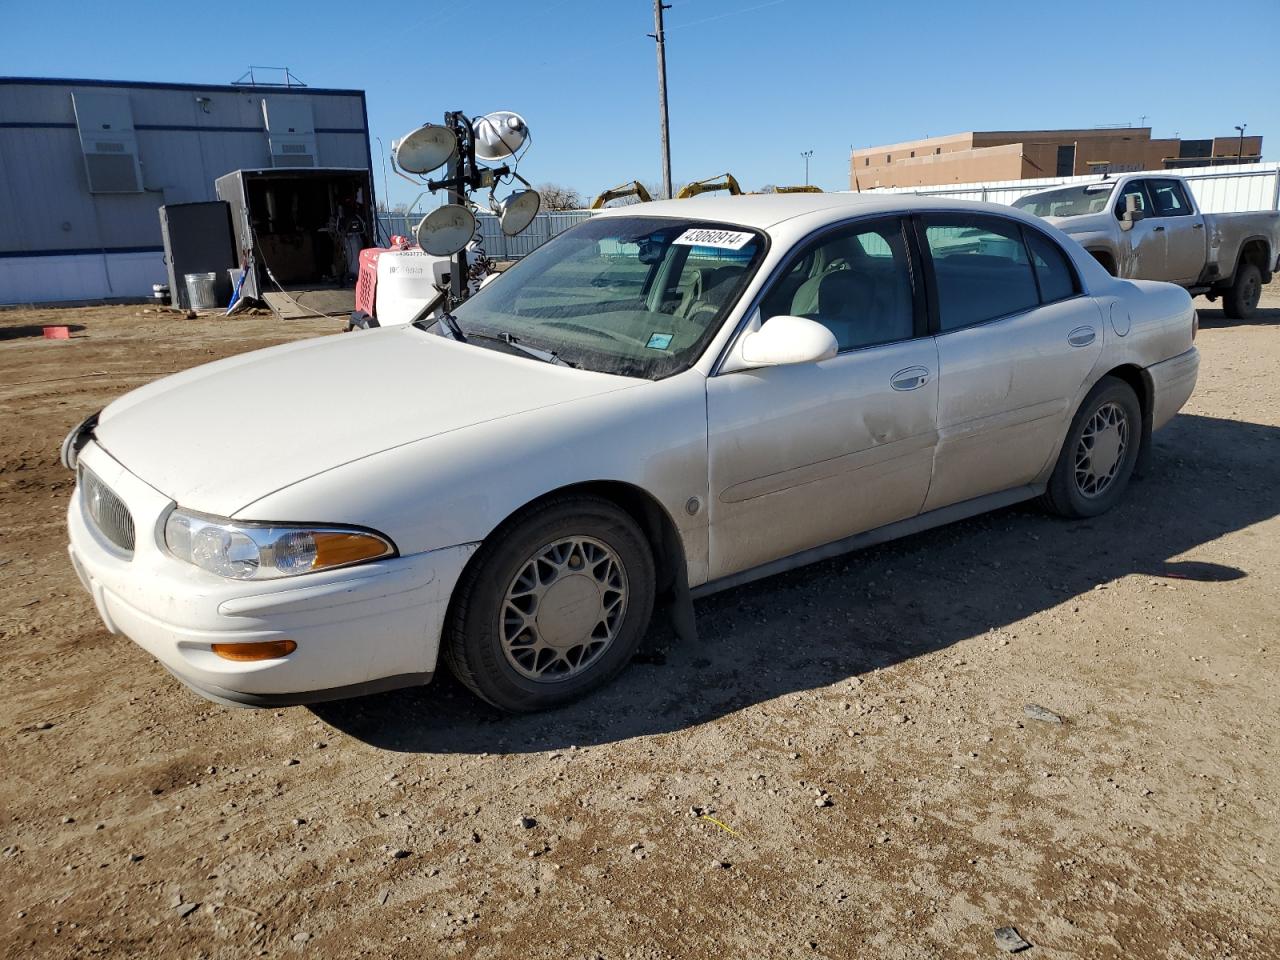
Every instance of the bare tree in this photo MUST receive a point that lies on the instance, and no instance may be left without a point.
(556, 197)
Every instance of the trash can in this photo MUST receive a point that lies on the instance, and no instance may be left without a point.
(200, 290)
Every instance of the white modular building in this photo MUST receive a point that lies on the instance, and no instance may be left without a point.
(85, 166)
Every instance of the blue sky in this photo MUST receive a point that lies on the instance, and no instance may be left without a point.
(752, 82)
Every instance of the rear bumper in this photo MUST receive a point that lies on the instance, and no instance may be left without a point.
(358, 630)
(1173, 382)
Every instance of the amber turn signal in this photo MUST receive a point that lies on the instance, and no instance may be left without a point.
(340, 549)
(263, 650)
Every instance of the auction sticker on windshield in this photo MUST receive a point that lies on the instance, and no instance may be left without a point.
(703, 237)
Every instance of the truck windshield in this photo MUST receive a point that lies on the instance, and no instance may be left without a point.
(632, 295)
(1067, 202)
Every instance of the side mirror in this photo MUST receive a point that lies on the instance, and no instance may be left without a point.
(1132, 213)
(783, 340)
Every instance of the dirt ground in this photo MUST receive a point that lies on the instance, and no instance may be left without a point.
(841, 766)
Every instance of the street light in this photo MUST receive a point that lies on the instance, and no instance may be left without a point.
(1240, 147)
(806, 154)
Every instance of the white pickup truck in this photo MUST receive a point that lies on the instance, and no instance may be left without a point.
(1148, 227)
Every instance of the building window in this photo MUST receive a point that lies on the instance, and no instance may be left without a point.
(913, 153)
(888, 158)
(937, 150)
(866, 161)
(1066, 160)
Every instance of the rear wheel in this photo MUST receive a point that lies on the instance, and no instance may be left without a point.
(1241, 301)
(1099, 454)
(554, 605)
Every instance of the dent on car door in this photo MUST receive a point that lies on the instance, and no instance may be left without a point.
(807, 454)
(1146, 244)
(1016, 340)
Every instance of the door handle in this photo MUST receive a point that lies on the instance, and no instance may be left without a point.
(910, 378)
(1197, 226)
(1082, 336)
(1158, 230)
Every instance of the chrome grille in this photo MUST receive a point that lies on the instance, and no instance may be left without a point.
(107, 511)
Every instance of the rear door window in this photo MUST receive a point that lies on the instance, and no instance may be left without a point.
(980, 266)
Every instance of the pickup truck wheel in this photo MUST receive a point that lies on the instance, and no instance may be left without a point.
(1099, 454)
(553, 606)
(1241, 301)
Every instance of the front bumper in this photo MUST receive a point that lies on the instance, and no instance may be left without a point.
(358, 630)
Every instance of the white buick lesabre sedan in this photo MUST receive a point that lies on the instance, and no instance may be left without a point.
(666, 400)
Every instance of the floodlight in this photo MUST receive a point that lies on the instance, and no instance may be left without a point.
(425, 149)
(517, 211)
(499, 134)
(445, 230)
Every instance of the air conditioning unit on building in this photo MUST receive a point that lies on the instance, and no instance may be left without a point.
(108, 141)
(291, 131)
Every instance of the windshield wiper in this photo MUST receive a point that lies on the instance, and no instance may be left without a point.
(546, 356)
(450, 323)
(446, 321)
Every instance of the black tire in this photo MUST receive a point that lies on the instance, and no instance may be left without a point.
(1066, 494)
(473, 646)
(1240, 302)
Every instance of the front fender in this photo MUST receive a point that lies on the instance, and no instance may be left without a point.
(457, 487)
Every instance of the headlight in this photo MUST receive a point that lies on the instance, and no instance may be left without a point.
(263, 551)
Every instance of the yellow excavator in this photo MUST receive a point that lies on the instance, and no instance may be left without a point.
(725, 181)
(633, 189)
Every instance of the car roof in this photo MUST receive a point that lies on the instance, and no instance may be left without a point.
(764, 210)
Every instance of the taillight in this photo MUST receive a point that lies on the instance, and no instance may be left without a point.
(1195, 323)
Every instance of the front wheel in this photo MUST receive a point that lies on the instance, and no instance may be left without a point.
(1099, 453)
(1241, 301)
(553, 606)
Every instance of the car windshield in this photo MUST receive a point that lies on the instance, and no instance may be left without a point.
(1067, 202)
(632, 295)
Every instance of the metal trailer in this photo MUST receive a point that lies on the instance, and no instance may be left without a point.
(299, 229)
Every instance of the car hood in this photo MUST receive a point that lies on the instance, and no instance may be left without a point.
(1086, 223)
(220, 436)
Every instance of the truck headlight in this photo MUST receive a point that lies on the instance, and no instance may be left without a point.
(245, 550)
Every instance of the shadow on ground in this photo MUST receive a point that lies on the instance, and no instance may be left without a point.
(33, 330)
(824, 623)
(1212, 318)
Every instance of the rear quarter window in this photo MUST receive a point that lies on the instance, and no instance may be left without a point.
(1054, 272)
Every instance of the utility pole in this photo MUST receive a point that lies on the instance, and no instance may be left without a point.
(660, 36)
(1240, 147)
(806, 154)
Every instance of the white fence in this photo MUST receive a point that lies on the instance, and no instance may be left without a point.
(497, 245)
(1250, 186)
